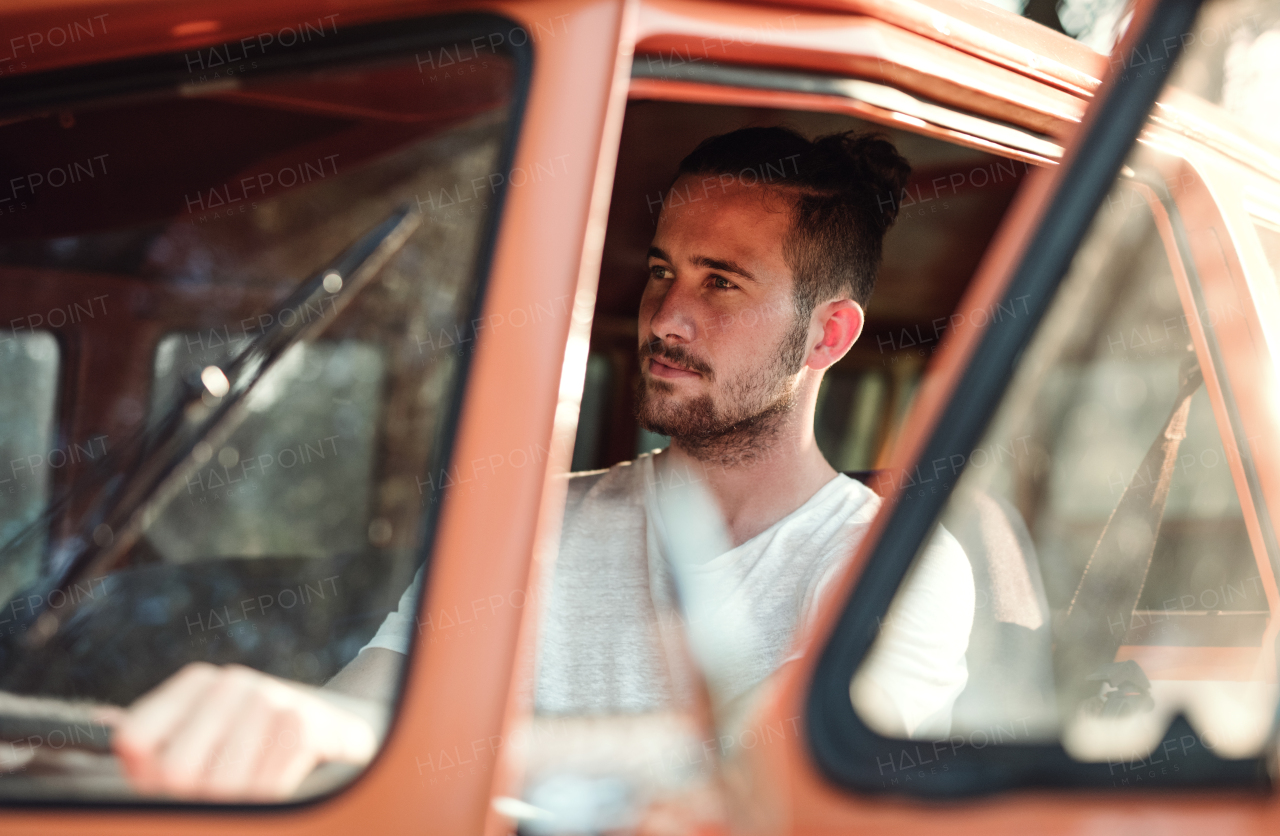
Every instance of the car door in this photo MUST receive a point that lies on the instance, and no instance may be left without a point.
(1112, 493)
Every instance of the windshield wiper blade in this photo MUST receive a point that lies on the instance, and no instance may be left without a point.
(208, 410)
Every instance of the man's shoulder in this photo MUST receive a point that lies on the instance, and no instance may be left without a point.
(604, 518)
(622, 483)
(857, 503)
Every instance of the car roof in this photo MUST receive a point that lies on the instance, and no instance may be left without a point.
(987, 31)
(133, 27)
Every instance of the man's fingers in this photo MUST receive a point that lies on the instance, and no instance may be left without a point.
(187, 759)
(289, 757)
(234, 765)
(146, 727)
(154, 715)
(344, 738)
(228, 733)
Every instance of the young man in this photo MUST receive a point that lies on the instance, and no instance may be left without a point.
(765, 253)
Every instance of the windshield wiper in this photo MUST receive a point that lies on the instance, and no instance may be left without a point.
(207, 411)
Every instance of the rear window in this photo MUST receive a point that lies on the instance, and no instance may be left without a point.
(307, 447)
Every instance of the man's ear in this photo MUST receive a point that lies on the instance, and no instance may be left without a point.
(839, 323)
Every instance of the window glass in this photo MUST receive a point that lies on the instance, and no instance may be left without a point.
(1269, 236)
(279, 263)
(1104, 517)
(305, 448)
(28, 451)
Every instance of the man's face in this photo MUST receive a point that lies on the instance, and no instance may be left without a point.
(720, 345)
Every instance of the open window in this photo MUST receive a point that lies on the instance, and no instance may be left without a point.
(966, 171)
(955, 199)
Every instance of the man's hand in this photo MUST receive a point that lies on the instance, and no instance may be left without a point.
(232, 733)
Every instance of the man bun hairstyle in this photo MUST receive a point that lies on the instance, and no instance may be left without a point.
(848, 186)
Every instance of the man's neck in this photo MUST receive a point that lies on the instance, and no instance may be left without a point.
(756, 492)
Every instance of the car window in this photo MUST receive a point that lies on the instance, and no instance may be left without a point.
(280, 254)
(1113, 524)
(29, 451)
(1066, 480)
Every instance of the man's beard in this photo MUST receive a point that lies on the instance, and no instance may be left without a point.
(746, 426)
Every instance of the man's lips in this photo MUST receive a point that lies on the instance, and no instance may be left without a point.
(660, 368)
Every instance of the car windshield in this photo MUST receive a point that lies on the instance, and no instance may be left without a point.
(149, 468)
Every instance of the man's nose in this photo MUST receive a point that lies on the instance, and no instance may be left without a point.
(675, 317)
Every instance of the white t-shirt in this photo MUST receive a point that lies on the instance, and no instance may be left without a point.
(601, 645)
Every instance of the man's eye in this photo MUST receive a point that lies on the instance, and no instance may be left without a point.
(657, 271)
(721, 283)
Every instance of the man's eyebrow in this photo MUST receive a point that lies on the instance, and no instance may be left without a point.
(723, 266)
(710, 263)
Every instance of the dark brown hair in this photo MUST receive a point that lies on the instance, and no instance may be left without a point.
(847, 198)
